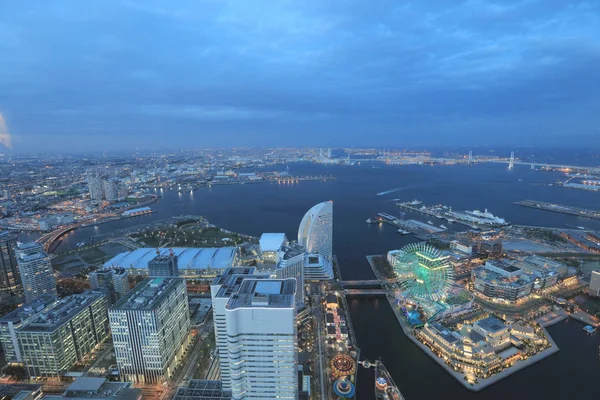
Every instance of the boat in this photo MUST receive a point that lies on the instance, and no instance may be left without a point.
(369, 221)
(581, 227)
(443, 226)
(385, 388)
(520, 180)
(429, 222)
(403, 232)
(415, 202)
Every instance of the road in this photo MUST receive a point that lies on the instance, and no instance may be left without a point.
(318, 315)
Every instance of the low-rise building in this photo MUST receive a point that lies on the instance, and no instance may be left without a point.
(191, 262)
(270, 244)
(594, 288)
(98, 389)
(494, 331)
(501, 281)
(455, 245)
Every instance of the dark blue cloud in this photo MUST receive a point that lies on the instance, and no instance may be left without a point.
(146, 73)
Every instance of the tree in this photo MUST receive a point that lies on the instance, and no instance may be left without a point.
(16, 371)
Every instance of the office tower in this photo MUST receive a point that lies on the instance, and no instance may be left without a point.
(270, 244)
(13, 321)
(9, 271)
(36, 271)
(163, 265)
(110, 189)
(63, 333)
(221, 289)
(316, 230)
(114, 280)
(290, 264)
(263, 340)
(151, 330)
(95, 187)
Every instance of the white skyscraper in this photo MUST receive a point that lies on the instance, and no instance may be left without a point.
(221, 289)
(36, 271)
(95, 187)
(262, 338)
(151, 330)
(316, 230)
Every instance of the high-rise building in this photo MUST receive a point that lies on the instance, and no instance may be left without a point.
(151, 330)
(114, 280)
(221, 289)
(95, 187)
(9, 271)
(263, 340)
(317, 268)
(63, 333)
(290, 264)
(163, 265)
(316, 230)
(36, 271)
(13, 321)
(110, 189)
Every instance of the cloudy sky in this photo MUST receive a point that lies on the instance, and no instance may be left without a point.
(108, 74)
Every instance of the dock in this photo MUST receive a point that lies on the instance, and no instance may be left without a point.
(473, 219)
(410, 225)
(558, 208)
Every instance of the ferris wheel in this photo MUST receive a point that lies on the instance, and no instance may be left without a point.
(423, 271)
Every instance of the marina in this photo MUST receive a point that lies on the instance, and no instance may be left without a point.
(541, 205)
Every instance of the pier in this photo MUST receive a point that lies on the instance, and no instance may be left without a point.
(410, 225)
(558, 208)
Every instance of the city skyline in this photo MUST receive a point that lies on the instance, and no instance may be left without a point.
(212, 75)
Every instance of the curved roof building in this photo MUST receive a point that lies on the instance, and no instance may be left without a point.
(316, 229)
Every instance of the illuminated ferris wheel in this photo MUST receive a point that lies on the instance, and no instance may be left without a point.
(424, 273)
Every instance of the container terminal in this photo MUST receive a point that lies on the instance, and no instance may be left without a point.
(540, 205)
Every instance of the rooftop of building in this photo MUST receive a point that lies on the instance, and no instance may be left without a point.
(491, 324)
(147, 293)
(188, 258)
(98, 388)
(162, 257)
(61, 311)
(202, 390)
(270, 293)
(231, 279)
(28, 310)
(271, 241)
(12, 389)
(498, 279)
(292, 250)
